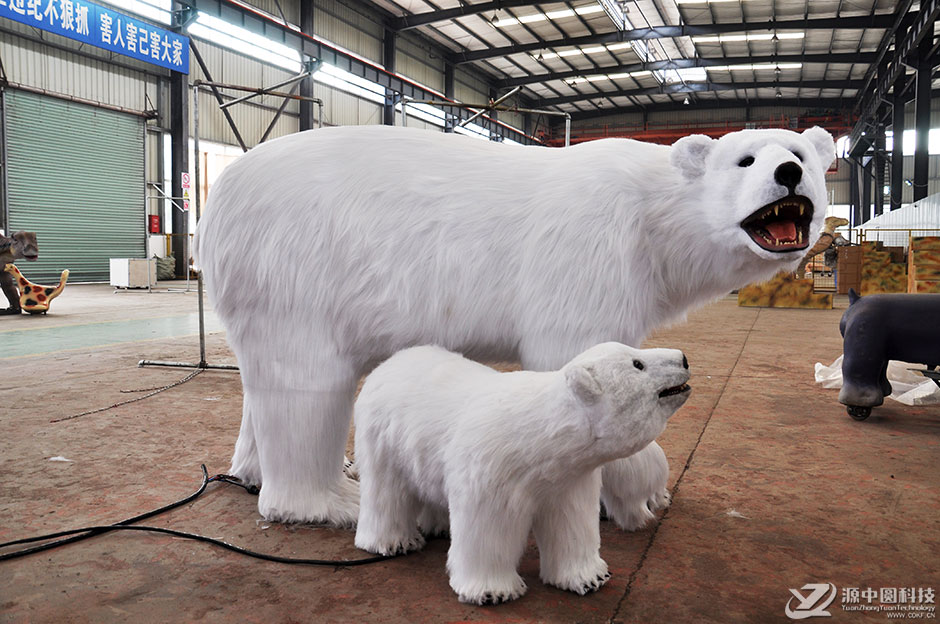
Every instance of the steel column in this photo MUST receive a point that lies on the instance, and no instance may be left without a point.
(306, 85)
(179, 156)
(449, 120)
(922, 118)
(897, 150)
(866, 180)
(855, 217)
(879, 169)
(388, 59)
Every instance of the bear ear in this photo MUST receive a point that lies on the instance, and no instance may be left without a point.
(822, 141)
(689, 153)
(581, 382)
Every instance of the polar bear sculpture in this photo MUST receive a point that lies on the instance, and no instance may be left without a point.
(381, 238)
(499, 454)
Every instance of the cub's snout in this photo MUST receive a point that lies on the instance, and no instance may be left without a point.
(676, 373)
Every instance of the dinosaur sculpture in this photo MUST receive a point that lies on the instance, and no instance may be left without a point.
(20, 245)
(823, 243)
(35, 298)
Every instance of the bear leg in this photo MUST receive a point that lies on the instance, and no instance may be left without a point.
(567, 531)
(433, 521)
(488, 537)
(634, 487)
(245, 462)
(300, 435)
(388, 514)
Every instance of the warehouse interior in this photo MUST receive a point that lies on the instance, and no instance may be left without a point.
(116, 120)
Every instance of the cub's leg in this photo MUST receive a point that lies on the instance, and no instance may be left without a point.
(632, 490)
(388, 512)
(433, 520)
(488, 534)
(568, 535)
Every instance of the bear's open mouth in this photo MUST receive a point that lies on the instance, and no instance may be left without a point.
(674, 390)
(782, 225)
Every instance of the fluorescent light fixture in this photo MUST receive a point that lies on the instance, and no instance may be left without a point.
(599, 77)
(704, 1)
(550, 15)
(755, 67)
(244, 41)
(747, 37)
(350, 83)
(578, 51)
(156, 10)
(686, 74)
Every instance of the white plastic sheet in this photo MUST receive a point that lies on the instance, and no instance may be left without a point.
(910, 388)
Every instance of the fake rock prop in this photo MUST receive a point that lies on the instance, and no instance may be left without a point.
(501, 454)
(529, 253)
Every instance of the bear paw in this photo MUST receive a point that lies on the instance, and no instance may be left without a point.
(631, 519)
(583, 581)
(391, 547)
(493, 594)
(594, 585)
(337, 506)
(659, 501)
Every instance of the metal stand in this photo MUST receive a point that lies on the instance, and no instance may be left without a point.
(199, 286)
(309, 68)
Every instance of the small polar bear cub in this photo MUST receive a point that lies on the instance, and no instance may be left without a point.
(443, 440)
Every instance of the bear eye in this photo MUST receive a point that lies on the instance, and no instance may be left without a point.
(798, 155)
(747, 161)
(638, 365)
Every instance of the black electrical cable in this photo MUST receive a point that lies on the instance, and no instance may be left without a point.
(128, 525)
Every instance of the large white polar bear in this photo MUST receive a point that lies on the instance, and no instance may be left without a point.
(327, 251)
(440, 438)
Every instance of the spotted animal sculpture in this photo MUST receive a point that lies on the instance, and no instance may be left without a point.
(35, 298)
(823, 243)
(20, 245)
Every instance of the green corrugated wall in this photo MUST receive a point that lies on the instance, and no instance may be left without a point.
(76, 178)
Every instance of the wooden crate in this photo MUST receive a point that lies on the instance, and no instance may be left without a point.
(849, 270)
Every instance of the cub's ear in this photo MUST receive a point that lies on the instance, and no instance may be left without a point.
(822, 141)
(689, 153)
(582, 383)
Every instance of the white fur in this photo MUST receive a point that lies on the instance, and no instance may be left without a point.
(328, 250)
(639, 490)
(503, 454)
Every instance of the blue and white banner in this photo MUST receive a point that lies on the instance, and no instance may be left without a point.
(103, 28)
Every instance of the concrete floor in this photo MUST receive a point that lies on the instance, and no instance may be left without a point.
(774, 486)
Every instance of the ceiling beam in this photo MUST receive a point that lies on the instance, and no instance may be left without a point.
(864, 57)
(698, 87)
(837, 105)
(882, 20)
(877, 87)
(407, 22)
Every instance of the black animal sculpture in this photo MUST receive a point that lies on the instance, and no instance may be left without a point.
(878, 328)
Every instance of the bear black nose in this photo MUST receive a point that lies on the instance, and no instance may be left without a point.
(685, 362)
(789, 175)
